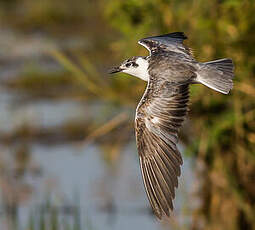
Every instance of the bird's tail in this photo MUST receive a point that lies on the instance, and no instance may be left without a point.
(217, 75)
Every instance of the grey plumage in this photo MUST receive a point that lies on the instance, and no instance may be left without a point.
(173, 60)
(172, 42)
(156, 139)
(169, 70)
(217, 75)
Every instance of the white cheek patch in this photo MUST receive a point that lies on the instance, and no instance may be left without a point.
(140, 71)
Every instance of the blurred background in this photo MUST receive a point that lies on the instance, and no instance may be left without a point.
(68, 158)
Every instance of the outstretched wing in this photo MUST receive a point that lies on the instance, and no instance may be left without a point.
(167, 42)
(159, 115)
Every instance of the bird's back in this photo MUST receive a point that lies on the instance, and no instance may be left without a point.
(172, 66)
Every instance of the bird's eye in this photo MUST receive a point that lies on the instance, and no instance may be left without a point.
(128, 64)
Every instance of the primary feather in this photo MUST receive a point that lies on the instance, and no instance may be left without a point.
(158, 119)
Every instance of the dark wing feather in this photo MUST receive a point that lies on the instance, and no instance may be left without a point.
(167, 42)
(170, 37)
(159, 115)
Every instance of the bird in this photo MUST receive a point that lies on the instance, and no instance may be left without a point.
(169, 70)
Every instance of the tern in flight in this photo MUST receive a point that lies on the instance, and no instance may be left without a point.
(169, 70)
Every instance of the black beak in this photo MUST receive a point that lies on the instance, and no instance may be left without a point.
(115, 70)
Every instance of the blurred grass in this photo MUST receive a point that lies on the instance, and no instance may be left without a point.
(94, 82)
(51, 217)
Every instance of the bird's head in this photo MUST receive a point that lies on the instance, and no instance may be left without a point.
(136, 66)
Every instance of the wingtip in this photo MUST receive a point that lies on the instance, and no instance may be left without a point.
(163, 216)
(177, 35)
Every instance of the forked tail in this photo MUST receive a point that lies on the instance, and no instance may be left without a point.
(217, 75)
